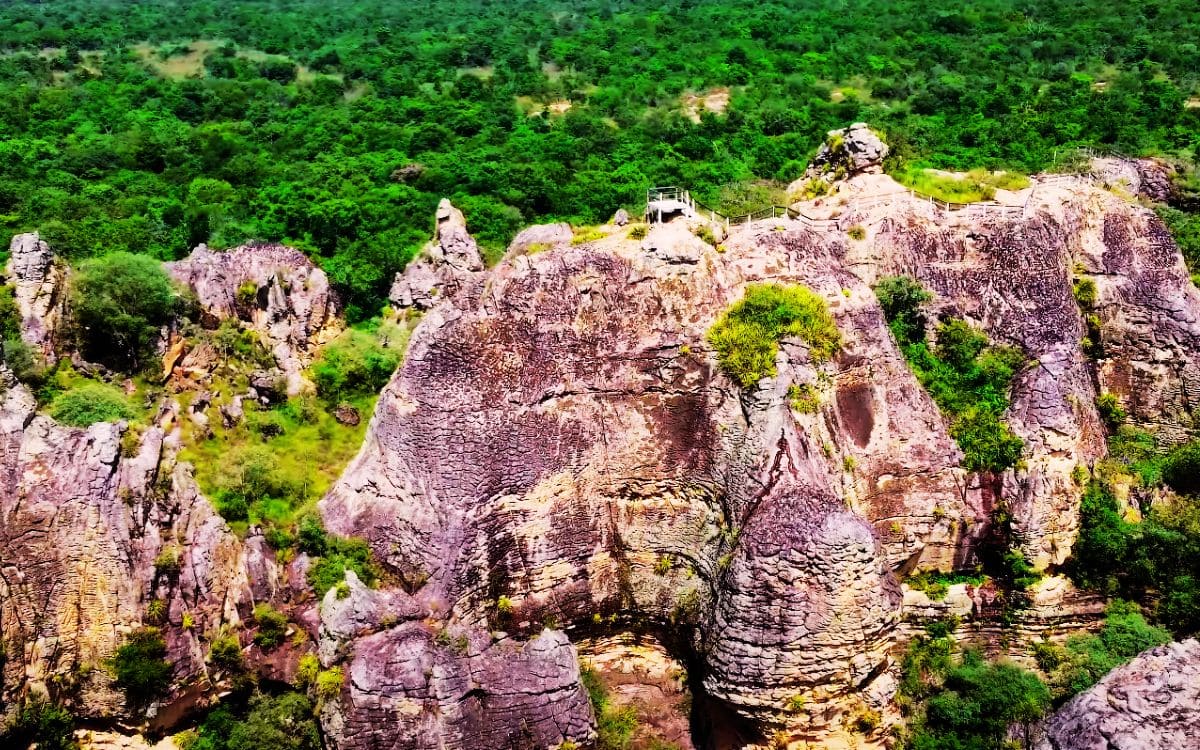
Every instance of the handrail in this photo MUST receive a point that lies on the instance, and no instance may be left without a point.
(980, 207)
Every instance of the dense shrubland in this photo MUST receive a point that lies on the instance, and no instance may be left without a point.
(150, 127)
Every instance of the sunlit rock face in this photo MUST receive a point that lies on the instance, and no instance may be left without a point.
(560, 449)
(1152, 702)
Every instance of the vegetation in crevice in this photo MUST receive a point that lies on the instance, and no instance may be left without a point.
(272, 466)
(967, 377)
(746, 337)
(1087, 657)
(956, 701)
(1154, 560)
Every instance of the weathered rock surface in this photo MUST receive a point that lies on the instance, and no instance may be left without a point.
(1148, 178)
(443, 266)
(845, 153)
(560, 445)
(540, 238)
(1151, 703)
(94, 527)
(39, 288)
(274, 290)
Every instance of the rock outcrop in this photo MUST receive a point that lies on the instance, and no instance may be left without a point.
(442, 267)
(272, 289)
(1151, 703)
(559, 446)
(94, 528)
(39, 289)
(845, 153)
(1147, 178)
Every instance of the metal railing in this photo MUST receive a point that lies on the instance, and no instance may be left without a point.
(980, 208)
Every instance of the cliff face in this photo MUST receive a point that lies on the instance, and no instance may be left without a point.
(560, 461)
(84, 516)
(559, 446)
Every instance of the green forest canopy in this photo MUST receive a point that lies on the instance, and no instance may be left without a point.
(153, 126)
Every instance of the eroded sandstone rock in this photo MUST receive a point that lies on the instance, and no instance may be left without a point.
(442, 267)
(274, 290)
(845, 153)
(95, 527)
(560, 447)
(1151, 703)
(39, 288)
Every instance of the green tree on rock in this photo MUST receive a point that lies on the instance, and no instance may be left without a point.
(119, 302)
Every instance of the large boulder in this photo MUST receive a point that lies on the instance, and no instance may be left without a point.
(845, 153)
(1151, 703)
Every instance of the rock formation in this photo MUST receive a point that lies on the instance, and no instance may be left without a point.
(39, 288)
(442, 267)
(1151, 703)
(845, 153)
(561, 468)
(272, 289)
(559, 445)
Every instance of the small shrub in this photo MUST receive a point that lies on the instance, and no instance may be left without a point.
(41, 725)
(705, 233)
(167, 561)
(90, 403)
(857, 233)
(1085, 293)
(272, 626)
(638, 232)
(663, 565)
(804, 399)
(796, 704)
(1110, 410)
(901, 298)
(504, 606)
(156, 611)
(341, 555)
(1181, 469)
(746, 337)
(225, 652)
(140, 667)
(307, 670)
(329, 683)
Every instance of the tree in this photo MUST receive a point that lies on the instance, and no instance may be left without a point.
(140, 667)
(119, 301)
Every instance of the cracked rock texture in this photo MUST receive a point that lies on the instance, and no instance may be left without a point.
(85, 515)
(273, 290)
(559, 446)
(39, 288)
(1151, 703)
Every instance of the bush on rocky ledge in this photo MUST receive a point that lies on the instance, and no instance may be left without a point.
(746, 338)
